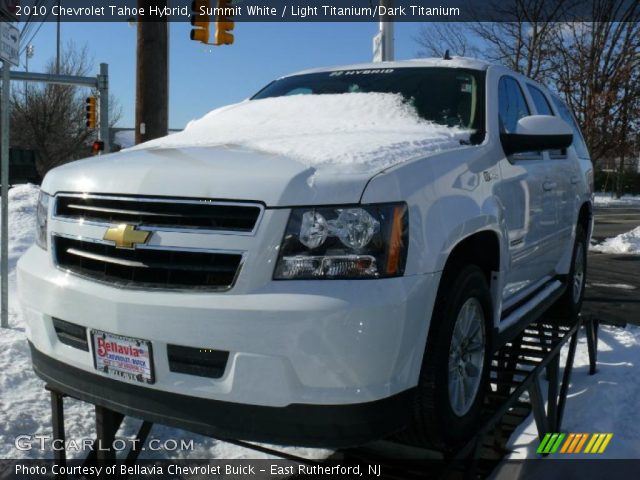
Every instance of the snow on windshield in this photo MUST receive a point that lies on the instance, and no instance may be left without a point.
(354, 131)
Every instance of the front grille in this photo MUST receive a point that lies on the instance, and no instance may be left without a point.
(197, 361)
(71, 334)
(166, 213)
(147, 268)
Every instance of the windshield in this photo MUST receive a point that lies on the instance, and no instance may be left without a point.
(447, 96)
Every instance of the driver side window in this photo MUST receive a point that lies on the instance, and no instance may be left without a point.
(512, 105)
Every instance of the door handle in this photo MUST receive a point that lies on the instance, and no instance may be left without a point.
(575, 179)
(549, 185)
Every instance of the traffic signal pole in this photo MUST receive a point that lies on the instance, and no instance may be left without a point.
(103, 90)
(4, 226)
(101, 83)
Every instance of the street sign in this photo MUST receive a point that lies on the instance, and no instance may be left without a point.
(9, 43)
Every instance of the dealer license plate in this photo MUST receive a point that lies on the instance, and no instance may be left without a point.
(122, 357)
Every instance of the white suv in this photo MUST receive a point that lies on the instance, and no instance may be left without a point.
(242, 293)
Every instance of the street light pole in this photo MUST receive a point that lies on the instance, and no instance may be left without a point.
(387, 29)
(58, 44)
(383, 42)
(30, 50)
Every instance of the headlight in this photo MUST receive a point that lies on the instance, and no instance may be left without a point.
(42, 214)
(368, 241)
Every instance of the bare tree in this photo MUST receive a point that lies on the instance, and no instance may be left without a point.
(598, 72)
(50, 119)
(516, 34)
(522, 36)
(435, 38)
(594, 65)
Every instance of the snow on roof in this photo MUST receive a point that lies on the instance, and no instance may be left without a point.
(358, 132)
(455, 62)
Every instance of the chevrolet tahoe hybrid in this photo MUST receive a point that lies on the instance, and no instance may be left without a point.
(245, 294)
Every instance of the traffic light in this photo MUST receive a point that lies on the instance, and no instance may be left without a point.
(224, 23)
(97, 147)
(91, 112)
(200, 22)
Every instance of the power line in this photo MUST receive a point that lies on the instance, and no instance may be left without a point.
(29, 25)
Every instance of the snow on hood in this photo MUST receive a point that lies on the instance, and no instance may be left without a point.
(355, 132)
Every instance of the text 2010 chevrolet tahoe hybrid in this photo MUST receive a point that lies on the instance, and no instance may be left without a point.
(247, 295)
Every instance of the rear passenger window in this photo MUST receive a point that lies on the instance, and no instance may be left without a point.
(567, 116)
(540, 101)
(511, 104)
(544, 108)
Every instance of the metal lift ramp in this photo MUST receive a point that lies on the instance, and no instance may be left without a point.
(515, 390)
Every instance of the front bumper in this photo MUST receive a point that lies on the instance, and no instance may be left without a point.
(302, 348)
(296, 424)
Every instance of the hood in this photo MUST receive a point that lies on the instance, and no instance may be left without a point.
(221, 173)
(283, 151)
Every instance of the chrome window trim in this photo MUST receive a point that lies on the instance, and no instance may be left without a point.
(151, 228)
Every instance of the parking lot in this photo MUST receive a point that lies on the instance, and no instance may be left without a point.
(613, 283)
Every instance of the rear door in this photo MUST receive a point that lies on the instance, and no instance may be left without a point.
(562, 172)
(529, 198)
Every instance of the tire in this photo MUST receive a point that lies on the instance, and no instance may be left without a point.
(567, 307)
(442, 417)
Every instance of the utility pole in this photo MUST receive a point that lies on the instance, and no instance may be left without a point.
(152, 76)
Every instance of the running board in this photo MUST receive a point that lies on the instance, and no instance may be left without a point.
(528, 313)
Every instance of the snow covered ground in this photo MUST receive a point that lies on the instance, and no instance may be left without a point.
(609, 200)
(356, 131)
(628, 242)
(24, 404)
(606, 402)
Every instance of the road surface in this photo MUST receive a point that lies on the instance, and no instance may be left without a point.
(613, 280)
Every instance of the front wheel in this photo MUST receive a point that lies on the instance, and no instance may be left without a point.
(455, 367)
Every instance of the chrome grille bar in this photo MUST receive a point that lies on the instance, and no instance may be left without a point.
(161, 213)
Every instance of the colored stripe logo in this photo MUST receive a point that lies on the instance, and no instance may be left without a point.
(574, 443)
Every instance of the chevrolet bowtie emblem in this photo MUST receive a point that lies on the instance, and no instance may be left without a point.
(126, 236)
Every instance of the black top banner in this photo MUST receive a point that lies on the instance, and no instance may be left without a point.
(328, 10)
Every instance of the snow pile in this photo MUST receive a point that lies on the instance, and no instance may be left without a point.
(24, 404)
(604, 402)
(608, 200)
(628, 242)
(355, 131)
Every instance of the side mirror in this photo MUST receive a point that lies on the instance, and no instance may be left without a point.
(536, 133)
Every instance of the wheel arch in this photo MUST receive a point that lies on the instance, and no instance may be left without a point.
(481, 248)
(585, 217)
